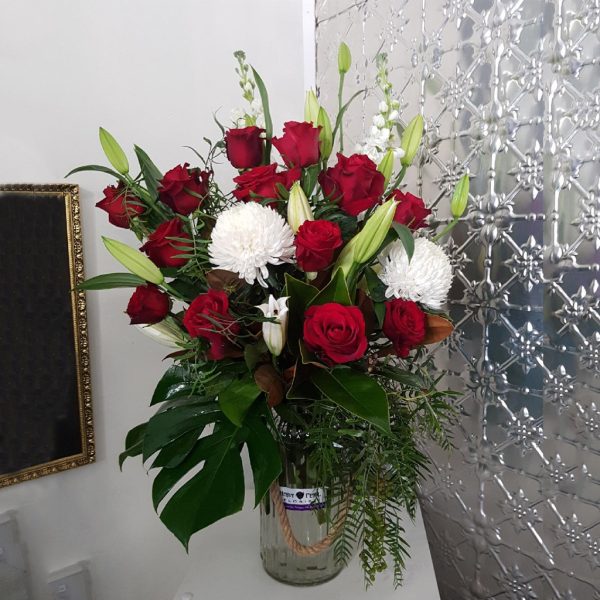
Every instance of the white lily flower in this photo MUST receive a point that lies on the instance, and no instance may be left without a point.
(275, 332)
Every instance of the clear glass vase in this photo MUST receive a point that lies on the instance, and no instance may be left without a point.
(304, 506)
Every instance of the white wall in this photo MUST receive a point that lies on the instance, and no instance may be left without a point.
(151, 72)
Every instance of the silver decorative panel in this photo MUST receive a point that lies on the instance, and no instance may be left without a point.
(511, 94)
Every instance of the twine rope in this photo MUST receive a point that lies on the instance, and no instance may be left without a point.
(288, 534)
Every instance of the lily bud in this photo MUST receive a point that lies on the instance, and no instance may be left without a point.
(386, 166)
(133, 260)
(460, 198)
(326, 135)
(298, 208)
(166, 333)
(311, 107)
(114, 152)
(344, 58)
(411, 140)
(370, 238)
(275, 332)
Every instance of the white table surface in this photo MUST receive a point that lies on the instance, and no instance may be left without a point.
(227, 566)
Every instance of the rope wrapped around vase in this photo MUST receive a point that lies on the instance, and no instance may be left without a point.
(288, 534)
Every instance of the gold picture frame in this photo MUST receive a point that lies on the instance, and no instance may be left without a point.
(70, 195)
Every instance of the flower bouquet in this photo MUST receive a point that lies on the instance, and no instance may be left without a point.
(297, 305)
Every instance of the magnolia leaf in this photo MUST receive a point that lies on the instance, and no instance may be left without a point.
(335, 291)
(406, 237)
(220, 279)
(237, 398)
(437, 329)
(269, 381)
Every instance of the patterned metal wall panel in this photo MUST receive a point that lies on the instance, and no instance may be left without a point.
(510, 92)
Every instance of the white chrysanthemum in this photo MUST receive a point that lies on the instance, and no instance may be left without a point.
(426, 278)
(248, 237)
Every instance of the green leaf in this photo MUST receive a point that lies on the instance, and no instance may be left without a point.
(134, 443)
(264, 454)
(173, 377)
(98, 168)
(217, 491)
(375, 286)
(264, 96)
(237, 398)
(149, 170)
(166, 426)
(335, 291)
(133, 260)
(406, 237)
(357, 393)
(176, 452)
(300, 294)
(379, 308)
(114, 152)
(111, 280)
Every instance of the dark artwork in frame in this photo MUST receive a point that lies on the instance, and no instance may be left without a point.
(46, 420)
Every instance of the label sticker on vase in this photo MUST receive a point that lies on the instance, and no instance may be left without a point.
(303, 498)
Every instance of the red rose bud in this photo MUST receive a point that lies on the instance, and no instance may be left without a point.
(335, 333)
(120, 205)
(148, 305)
(164, 251)
(244, 147)
(411, 211)
(299, 144)
(354, 181)
(208, 317)
(404, 325)
(261, 182)
(183, 189)
(316, 243)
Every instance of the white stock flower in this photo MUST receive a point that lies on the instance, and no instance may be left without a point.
(379, 121)
(275, 332)
(426, 278)
(248, 237)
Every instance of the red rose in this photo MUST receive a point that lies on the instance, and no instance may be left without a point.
(411, 211)
(404, 324)
(316, 243)
(208, 317)
(244, 147)
(148, 305)
(354, 181)
(178, 186)
(299, 144)
(162, 249)
(335, 333)
(262, 181)
(120, 205)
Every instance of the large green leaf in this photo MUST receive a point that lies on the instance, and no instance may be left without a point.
(335, 291)
(264, 454)
(237, 398)
(111, 280)
(149, 170)
(175, 377)
(203, 447)
(215, 492)
(175, 453)
(376, 286)
(165, 427)
(357, 393)
(134, 443)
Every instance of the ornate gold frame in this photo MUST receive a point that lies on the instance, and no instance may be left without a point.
(80, 333)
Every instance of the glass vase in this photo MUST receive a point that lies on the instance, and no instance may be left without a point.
(293, 527)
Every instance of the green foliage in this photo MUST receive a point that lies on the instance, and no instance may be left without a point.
(237, 398)
(111, 280)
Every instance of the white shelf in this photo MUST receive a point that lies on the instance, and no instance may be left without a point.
(227, 566)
